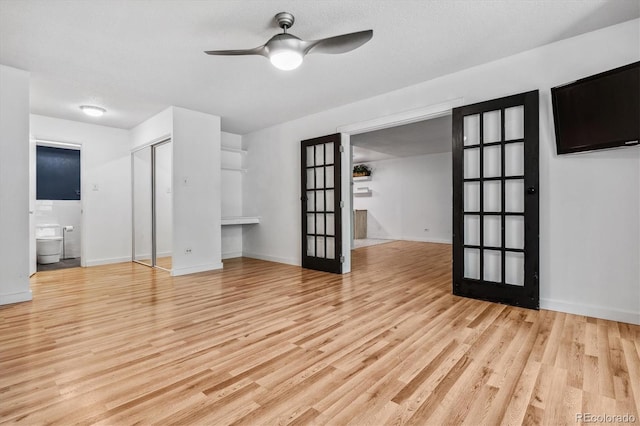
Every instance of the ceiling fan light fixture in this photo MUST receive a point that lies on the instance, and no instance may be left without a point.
(285, 59)
(92, 110)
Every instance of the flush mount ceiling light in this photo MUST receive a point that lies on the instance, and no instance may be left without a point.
(92, 110)
(286, 51)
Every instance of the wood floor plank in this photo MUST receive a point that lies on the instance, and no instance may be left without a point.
(267, 343)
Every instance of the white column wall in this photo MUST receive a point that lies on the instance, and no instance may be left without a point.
(196, 192)
(14, 185)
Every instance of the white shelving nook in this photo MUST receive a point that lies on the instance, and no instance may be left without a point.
(232, 160)
(240, 220)
(361, 191)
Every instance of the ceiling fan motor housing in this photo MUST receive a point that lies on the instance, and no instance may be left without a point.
(285, 20)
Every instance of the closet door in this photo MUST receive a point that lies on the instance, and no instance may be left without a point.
(142, 206)
(163, 204)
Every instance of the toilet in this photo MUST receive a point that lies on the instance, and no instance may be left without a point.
(48, 243)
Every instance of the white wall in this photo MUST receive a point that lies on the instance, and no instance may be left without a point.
(106, 184)
(589, 234)
(231, 187)
(158, 127)
(14, 185)
(410, 200)
(196, 192)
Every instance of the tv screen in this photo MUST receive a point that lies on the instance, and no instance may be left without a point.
(601, 111)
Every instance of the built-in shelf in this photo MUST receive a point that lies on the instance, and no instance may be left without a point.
(361, 178)
(236, 150)
(234, 169)
(240, 220)
(362, 193)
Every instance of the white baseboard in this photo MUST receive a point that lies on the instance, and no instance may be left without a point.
(9, 298)
(176, 272)
(232, 255)
(591, 311)
(420, 240)
(98, 262)
(285, 260)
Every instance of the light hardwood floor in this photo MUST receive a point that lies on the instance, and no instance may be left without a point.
(265, 343)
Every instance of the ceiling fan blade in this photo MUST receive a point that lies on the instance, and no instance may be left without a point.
(255, 51)
(339, 44)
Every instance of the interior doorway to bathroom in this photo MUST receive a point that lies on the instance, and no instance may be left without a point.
(152, 202)
(57, 207)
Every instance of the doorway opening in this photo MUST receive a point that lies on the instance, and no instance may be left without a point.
(58, 205)
(407, 190)
(386, 124)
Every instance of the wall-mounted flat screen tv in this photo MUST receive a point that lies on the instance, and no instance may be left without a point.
(597, 112)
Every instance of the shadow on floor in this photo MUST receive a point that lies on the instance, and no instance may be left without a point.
(63, 264)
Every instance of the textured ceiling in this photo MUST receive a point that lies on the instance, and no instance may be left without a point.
(421, 138)
(135, 58)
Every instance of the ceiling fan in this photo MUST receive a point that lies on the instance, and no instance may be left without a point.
(286, 51)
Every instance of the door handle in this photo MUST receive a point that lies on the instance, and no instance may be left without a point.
(531, 190)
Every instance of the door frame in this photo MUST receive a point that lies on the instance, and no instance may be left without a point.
(36, 141)
(406, 117)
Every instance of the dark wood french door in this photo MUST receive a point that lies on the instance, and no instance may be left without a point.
(495, 200)
(321, 201)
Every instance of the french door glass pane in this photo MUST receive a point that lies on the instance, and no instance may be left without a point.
(472, 163)
(492, 196)
(331, 248)
(514, 268)
(319, 177)
(329, 173)
(491, 161)
(514, 196)
(472, 129)
(311, 201)
(319, 201)
(492, 265)
(311, 223)
(331, 224)
(493, 231)
(330, 199)
(514, 232)
(320, 223)
(471, 196)
(514, 159)
(320, 247)
(310, 179)
(472, 230)
(310, 155)
(491, 127)
(319, 155)
(514, 123)
(472, 263)
(329, 153)
(311, 246)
